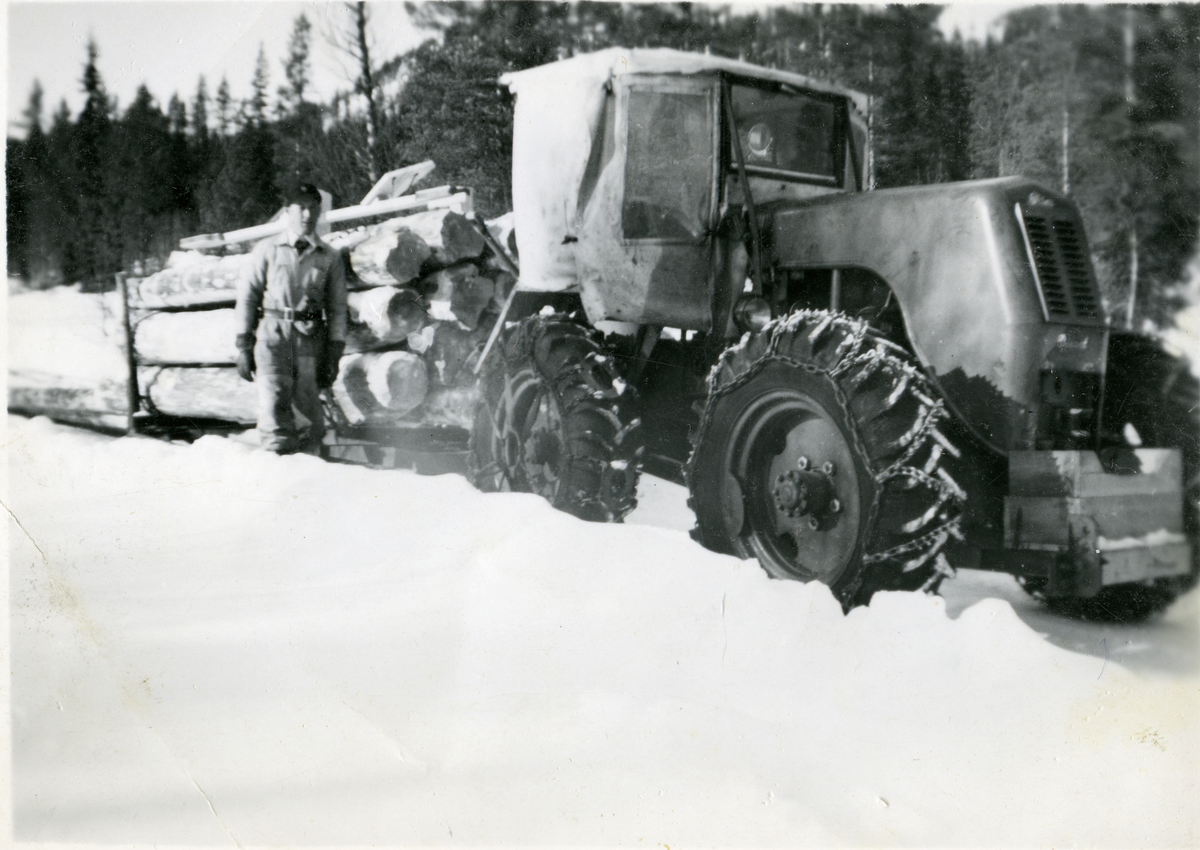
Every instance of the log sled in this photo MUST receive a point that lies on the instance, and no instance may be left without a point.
(425, 290)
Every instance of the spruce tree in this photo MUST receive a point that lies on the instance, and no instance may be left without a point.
(138, 187)
(244, 192)
(96, 254)
(296, 67)
(256, 106)
(224, 103)
(200, 111)
(26, 172)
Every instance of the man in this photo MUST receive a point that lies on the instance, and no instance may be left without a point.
(291, 321)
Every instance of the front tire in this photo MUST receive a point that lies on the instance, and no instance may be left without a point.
(819, 453)
(554, 419)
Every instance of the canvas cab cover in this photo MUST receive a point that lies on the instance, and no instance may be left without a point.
(563, 139)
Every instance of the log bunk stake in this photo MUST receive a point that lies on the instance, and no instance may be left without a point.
(131, 383)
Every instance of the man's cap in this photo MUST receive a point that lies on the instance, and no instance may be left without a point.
(305, 194)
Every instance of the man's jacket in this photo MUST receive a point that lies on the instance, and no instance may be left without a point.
(307, 288)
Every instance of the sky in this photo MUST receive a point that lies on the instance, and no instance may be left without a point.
(168, 45)
(975, 21)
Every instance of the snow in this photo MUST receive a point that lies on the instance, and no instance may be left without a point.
(211, 644)
(63, 332)
(1158, 537)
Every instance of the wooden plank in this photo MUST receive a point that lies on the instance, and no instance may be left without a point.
(398, 182)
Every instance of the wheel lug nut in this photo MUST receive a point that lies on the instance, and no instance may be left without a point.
(814, 523)
(834, 506)
(828, 468)
(802, 462)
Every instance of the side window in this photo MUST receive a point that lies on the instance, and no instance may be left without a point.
(669, 165)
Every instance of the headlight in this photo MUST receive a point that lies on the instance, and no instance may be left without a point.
(752, 313)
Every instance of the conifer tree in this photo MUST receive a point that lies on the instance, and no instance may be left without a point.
(224, 103)
(95, 254)
(26, 164)
(256, 106)
(138, 185)
(200, 111)
(296, 67)
(244, 192)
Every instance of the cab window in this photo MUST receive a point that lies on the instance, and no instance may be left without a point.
(788, 134)
(668, 166)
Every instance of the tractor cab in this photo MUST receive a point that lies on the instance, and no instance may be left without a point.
(627, 162)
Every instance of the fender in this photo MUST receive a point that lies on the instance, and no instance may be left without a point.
(993, 278)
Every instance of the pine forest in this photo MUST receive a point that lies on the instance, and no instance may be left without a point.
(1101, 102)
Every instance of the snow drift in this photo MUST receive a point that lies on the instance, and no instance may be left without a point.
(215, 644)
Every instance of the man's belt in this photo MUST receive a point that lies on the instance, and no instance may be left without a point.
(290, 315)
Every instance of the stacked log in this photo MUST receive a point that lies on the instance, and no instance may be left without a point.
(401, 250)
(378, 318)
(101, 406)
(202, 337)
(380, 386)
(426, 292)
(209, 392)
(383, 317)
(190, 279)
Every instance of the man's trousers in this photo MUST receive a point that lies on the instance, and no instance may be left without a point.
(286, 378)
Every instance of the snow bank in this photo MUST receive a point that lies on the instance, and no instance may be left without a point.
(336, 655)
(67, 333)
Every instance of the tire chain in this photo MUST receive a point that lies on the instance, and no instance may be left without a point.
(529, 334)
(851, 353)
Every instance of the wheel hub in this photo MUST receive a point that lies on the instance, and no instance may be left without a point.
(806, 491)
(803, 492)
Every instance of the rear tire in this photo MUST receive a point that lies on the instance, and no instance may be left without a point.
(819, 453)
(553, 419)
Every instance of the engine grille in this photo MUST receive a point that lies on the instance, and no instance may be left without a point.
(1060, 259)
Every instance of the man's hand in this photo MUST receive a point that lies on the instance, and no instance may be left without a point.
(245, 361)
(328, 369)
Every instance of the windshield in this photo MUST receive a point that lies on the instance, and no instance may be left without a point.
(787, 134)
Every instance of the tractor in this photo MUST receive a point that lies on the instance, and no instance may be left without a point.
(866, 388)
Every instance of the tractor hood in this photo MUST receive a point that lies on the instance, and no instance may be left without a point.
(560, 110)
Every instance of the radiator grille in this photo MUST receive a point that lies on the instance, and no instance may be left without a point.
(1063, 271)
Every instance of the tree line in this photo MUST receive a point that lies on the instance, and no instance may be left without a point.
(1098, 101)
